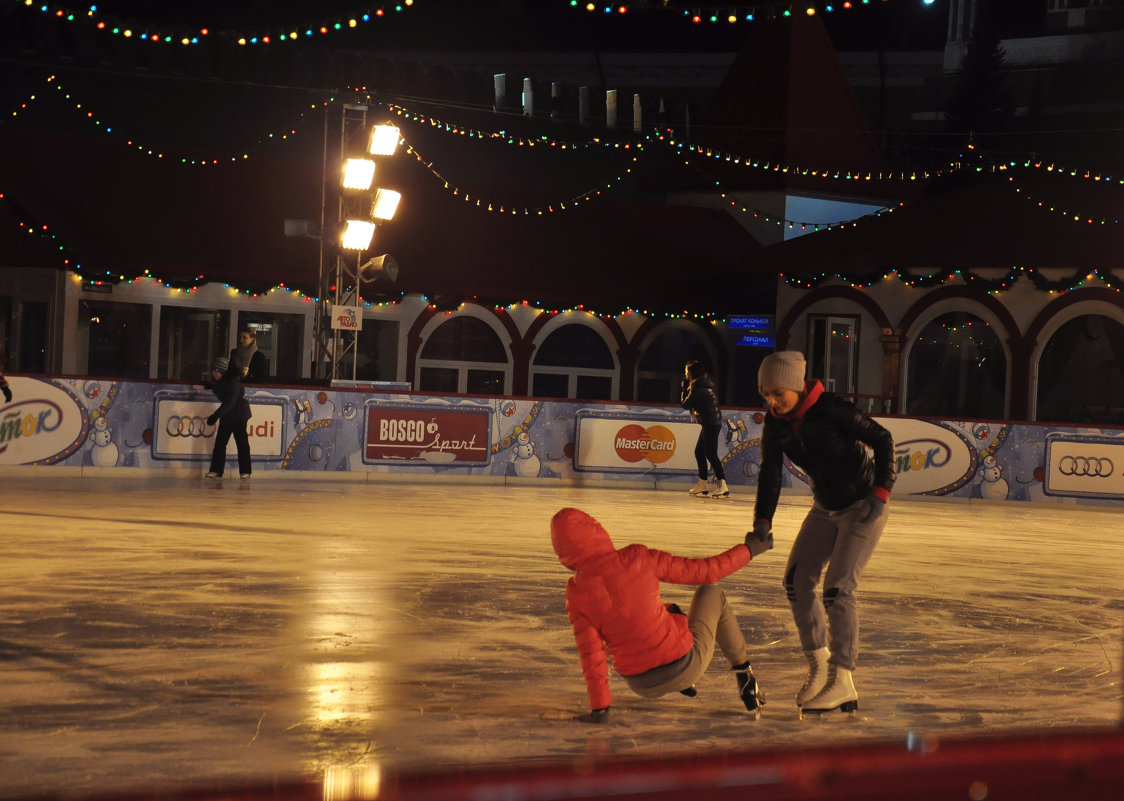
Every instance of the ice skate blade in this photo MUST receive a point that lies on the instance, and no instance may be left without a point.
(849, 707)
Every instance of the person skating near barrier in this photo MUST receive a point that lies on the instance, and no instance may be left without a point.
(614, 605)
(827, 437)
(232, 415)
(697, 394)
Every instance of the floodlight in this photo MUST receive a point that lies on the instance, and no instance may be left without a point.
(385, 204)
(358, 173)
(384, 140)
(383, 266)
(358, 234)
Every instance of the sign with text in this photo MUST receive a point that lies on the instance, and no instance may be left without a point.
(346, 318)
(427, 434)
(180, 429)
(929, 458)
(635, 443)
(754, 322)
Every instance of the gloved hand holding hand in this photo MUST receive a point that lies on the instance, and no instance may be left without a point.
(595, 716)
(7, 393)
(872, 507)
(212, 419)
(760, 539)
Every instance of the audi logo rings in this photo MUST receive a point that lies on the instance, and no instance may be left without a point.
(186, 426)
(1094, 466)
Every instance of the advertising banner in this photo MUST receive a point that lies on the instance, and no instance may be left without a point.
(427, 434)
(635, 443)
(180, 429)
(1084, 466)
(930, 458)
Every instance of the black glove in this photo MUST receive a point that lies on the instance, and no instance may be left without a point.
(760, 539)
(595, 716)
(7, 393)
(872, 507)
(212, 419)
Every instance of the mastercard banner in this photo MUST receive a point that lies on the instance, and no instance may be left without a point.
(635, 443)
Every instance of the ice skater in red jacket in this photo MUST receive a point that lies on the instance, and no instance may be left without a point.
(613, 601)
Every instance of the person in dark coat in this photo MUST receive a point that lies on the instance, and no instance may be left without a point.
(232, 415)
(249, 363)
(849, 460)
(698, 395)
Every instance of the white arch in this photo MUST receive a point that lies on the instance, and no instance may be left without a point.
(466, 310)
(1071, 312)
(588, 320)
(967, 306)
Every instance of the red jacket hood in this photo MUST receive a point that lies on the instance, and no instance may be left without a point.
(577, 538)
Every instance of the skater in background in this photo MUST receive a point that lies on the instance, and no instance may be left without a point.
(826, 436)
(232, 415)
(698, 395)
(247, 359)
(614, 605)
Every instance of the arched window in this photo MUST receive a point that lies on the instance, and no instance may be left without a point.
(573, 362)
(661, 364)
(464, 355)
(1081, 372)
(957, 368)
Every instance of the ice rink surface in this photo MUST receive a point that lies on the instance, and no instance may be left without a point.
(178, 633)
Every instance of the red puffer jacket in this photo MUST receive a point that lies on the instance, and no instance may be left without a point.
(613, 599)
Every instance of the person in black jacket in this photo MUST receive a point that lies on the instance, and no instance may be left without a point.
(827, 437)
(698, 395)
(232, 415)
(250, 363)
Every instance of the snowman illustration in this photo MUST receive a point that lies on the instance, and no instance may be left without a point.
(992, 484)
(104, 453)
(523, 458)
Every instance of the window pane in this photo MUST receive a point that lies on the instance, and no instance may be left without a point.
(591, 387)
(33, 338)
(377, 351)
(574, 346)
(464, 339)
(657, 390)
(189, 339)
(280, 339)
(485, 382)
(1081, 373)
(956, 369)
(438, 379)
(117, 336)
(546, 385)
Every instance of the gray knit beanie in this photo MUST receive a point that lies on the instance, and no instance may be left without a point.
(220, 364)
(782, 370)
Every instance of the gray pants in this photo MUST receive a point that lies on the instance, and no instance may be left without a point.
(710, 621)
(839, 541)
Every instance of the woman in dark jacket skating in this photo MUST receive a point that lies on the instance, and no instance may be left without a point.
(828, 438)
(698, 395)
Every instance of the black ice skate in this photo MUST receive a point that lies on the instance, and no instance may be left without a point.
(748, 689)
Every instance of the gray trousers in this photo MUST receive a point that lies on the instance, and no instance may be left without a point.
(710, 621)
(840, 542)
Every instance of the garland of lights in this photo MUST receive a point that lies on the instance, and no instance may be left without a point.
(155, 32)
(1068, 214)
(1079, 278)
(504, 208)
(185, 160)
(740, 12)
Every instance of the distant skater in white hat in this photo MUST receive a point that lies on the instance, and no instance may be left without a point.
(826, 436)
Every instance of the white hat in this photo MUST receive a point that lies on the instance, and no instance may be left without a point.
(782, 370)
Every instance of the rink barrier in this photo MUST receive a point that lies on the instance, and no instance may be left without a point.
(96, 427)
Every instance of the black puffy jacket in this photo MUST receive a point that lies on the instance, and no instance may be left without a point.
(825, 438)
(701, 399)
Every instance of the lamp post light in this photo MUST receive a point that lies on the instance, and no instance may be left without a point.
(358, 209)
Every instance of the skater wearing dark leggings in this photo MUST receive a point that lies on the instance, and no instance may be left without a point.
(698, 395)
(827, 437)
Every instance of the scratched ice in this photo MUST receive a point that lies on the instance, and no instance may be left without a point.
(156, 632)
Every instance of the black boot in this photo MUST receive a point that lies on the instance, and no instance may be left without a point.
(748, 690)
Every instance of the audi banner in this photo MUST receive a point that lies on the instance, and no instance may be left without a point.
(181, 430)
(1084, 466)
